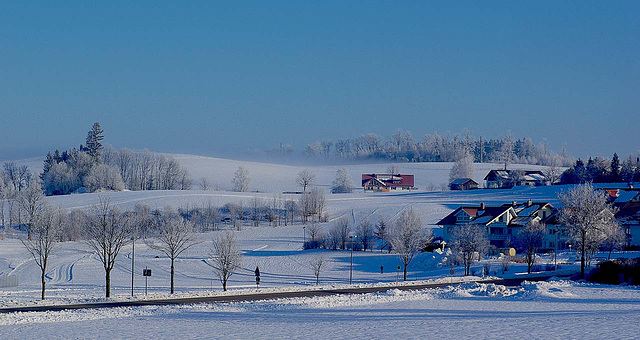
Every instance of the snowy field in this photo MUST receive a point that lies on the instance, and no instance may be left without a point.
(545, 310)
(75, 275)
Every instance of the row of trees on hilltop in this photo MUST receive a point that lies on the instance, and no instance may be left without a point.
(402, 146)
(602, 170)
(95, 168)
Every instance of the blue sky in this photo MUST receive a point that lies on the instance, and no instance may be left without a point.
(217, 78)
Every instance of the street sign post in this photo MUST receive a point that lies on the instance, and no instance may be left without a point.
(146, 273)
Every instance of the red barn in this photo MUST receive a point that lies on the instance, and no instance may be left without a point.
(387, 182)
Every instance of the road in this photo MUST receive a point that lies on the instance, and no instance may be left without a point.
(259, 296)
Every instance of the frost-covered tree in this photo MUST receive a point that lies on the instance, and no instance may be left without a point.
(462, 168)
(588, 215)
(343, 182)
(94, 141)
(45, 233)
(305, 178)
(408, 237)
(60, 179)
(175, 235)
(32, 202)
(241, 180)
(226, 257)
(529, 240)
(5, 194)
(313, 204)
(365, 234)
(627, 170)
(103, 177)
(506, 154)
(468, 242)
(614, 238)
(107, 231)
(204, 184)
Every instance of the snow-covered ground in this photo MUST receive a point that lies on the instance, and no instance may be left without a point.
(75, 275)
(544, 310)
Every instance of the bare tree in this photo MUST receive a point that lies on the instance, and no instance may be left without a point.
(204, 184)
(226, 257)
(45, 233)
(529, 240)
(107, 232)
(241, 180)
(588, 215)
(468, 241)
(305, 178)
(5, 193)
(317, 264)
(365, 234)
(408, 238)
(314, 232)
(31, 201)
(257, 206)
(175, 236)
(393, 169)
(341, 230)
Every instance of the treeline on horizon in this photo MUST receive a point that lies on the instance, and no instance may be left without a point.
(602, 170)
(403, 147)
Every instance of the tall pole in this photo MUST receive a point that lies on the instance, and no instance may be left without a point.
(133, 256)
(555, 251)
(351, 268)
(304, 235)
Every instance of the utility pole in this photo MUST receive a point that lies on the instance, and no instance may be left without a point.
(133, 256)
(555, 251)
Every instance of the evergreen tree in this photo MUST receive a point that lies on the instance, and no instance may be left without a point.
(94, 139)
(615, 169)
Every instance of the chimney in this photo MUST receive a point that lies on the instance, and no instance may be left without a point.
(482, 206)
(514, 203)
(529, 203)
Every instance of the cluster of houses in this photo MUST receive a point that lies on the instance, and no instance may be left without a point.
(495, 179)
(503, 222)
(502, 179)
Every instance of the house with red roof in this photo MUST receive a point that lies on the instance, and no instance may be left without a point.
(387, 182)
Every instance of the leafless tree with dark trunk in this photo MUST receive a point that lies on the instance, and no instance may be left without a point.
(45, 233)
(467, 242)
(108, 230)
(225, 256)
(529, 240)
(317, 264)
(408, 237)
(175, 236)
(588, 215)
(305, 178)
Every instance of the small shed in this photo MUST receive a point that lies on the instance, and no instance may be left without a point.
(463, 184)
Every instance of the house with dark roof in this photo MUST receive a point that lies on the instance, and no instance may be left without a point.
(463, 184)
(493, 219)
(387, 182)
(501, 223)
(504, 179)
